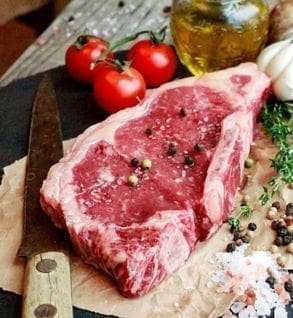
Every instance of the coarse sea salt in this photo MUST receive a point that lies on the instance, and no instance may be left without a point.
(245, 276)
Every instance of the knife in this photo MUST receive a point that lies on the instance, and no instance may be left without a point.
(47, 284)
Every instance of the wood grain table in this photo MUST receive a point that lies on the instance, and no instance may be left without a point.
(109, 19)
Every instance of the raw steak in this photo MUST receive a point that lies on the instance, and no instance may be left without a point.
(140, 234)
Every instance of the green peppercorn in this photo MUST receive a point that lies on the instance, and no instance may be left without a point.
(146, 164)
(289, 209)
(231, 247)
(188, 160)
(133, 180)
(249, 163)
(134, 162)
(252, 226)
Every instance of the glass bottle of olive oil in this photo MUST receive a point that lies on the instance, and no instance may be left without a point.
(215, 34)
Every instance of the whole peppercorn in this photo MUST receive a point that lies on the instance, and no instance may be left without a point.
(172, 150)
(290, 248)
(276, 205)
(183, 112)
(133, 180)
(238, 242)
(249, 163)
(146, 164)
(134, 162)
(289, 209)
(288, 286)
(149, 131)
(237, 235)
(278, 241)
(188, 161)
(271, 281)
(275, 225)
(245, 239)
(231, 247)
(282, 231)
(274, 249)
(287, 240)
(252, 226)
(198, 148)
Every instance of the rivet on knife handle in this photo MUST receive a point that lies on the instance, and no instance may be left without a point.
(47, 294)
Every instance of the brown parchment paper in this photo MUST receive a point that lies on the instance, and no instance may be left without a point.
(187, 293)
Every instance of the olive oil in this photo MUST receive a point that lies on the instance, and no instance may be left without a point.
(215, 34)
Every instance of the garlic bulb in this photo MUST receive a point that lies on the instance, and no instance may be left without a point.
(276, 61)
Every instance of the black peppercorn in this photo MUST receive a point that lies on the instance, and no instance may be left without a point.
(183, 112)
(134, 162)
(276, 205)
(289, 209)
(237, 236)
(288, 286)
(252, 226)
(287, 240)
(149, 131)
(278, 241)
(167, 9)
(282, 231)
(198, 148)
(231, 247)
(71, 18)
(271, 281)
(275, 225)
(188, 160)
(172, 150)
(121, 4)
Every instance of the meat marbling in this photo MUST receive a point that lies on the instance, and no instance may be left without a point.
(140, 234)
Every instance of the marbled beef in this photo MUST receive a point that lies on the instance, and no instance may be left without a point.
(140, 234)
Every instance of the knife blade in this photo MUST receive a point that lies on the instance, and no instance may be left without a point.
(47, 284)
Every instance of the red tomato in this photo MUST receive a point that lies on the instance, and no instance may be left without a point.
(116, 88)
(156, 62)
(81, 54)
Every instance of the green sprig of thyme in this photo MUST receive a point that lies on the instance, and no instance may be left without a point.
(245, 211)
(277, 118)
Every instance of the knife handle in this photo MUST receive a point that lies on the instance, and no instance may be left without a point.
(47, 286)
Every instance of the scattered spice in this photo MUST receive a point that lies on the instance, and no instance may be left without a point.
(183, 112)
(71, 19)
(249, 163)
(271, 281)
(133, 180)
(282, 231)
(281, 260)
(252, 226)
(271, 214)
(290, 248)
(276, 205)
(274, 249)
(188, 160)
(289, 209)
(237, 235)
(121, 4)
(278, 241)
(250, 234)
(288, 286)
(149, 131)
(146, 164)
(239, 242)
(198, 148)
(167, 9)
(134, 162)
(172, 150)
(245, 239)
(287, 240)
(231, 247)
